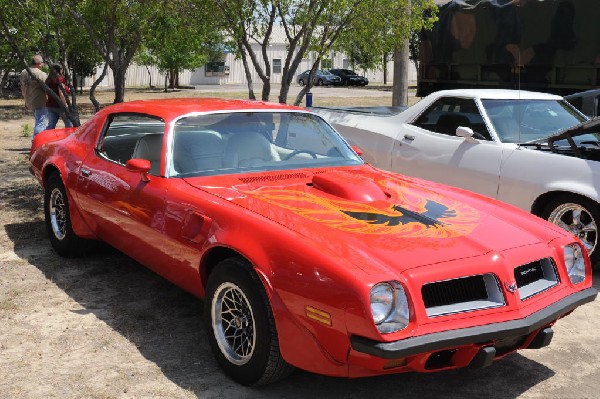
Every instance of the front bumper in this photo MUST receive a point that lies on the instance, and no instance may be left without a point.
(473, 335)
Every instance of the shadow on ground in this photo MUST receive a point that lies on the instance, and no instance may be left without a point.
(164, 323)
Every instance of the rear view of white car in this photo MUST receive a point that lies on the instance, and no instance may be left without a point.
(532, 150)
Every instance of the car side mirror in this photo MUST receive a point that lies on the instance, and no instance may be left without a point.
(467, 133)
(357, 150)
(138, 165)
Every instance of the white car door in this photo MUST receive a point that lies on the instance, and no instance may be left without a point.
(428, 148)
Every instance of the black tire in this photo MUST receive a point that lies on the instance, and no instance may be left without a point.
(301, 82)
(58, 220)
(581, 217)
(240, 325)
(320, 82)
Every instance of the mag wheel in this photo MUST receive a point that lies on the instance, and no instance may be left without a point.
(579, 216)
(58, 219)
(240, 325)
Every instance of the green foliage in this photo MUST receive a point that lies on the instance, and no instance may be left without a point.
(178, 41)
(26, 130)
(383, 28)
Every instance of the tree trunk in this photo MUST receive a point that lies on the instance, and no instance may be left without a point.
(3, 81)
(385, 69)
(149, 77)
(119, 78)
(172, 83)
(93, 88)
(266, 90)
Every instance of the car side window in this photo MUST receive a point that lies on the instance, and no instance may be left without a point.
(448, 113)
(128, 136)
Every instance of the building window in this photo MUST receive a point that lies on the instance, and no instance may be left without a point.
(216, 68)
(277, 65)
(345, 63)
(326, 63)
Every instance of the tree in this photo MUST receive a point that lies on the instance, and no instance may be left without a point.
(116, 28)
(312, 25)
(385, 30)
(29, 27)
(178, 41)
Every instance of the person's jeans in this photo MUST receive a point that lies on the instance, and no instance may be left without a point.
(40, 120)
(53, 115)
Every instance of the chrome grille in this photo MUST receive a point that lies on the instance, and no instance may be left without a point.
(535, 277)
(462, 294)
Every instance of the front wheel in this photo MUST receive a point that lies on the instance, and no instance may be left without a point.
(240, 325)
(320, 82)
(58, 219)
(579, 216)
(301, 82)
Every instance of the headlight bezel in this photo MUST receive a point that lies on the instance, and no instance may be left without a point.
(574, 258)
(397, 313)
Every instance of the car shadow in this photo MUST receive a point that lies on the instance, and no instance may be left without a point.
(164, 323)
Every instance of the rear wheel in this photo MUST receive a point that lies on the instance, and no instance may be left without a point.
(320, 82)
(301, 82)
(240, 325)
(579, 216)
(58, 219)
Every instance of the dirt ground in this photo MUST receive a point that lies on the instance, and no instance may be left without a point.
(102, 326)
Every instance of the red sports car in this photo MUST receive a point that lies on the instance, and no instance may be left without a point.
(305, 255)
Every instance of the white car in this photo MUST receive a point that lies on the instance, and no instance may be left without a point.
(515, 146)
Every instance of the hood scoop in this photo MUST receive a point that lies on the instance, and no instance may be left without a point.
(349, 186)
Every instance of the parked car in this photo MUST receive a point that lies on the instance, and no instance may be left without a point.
(500, 143)
(350, 78)
(304, 255)
(588, 102)
(321, 78)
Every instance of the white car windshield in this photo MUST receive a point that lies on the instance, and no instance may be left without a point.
(240, 142)
(519, 121)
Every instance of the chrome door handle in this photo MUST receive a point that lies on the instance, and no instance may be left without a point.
(85, 172)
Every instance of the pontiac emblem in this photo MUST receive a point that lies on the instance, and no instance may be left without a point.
(511, 287)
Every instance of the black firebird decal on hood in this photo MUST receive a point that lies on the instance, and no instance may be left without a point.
(433, 212)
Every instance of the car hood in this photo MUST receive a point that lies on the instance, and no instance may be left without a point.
(372, 217)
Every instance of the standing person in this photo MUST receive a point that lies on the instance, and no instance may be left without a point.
(34, 93)
(55, 81)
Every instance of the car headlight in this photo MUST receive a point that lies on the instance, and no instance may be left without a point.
(575, 262)
(389, 307)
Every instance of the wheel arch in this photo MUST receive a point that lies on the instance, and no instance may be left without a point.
(291, 332)
(213, 257)
(49, 170)
(541, 202)
(80, 227)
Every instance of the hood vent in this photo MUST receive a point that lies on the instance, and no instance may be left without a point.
(265, 178)
(353, 187)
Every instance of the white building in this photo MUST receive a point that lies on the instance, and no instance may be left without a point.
(231, 71)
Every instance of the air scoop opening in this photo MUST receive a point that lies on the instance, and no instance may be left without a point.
(349, 186)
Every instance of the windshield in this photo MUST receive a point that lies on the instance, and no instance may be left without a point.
(518, 121)
(240, 142)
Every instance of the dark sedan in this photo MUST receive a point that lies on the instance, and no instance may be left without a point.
(350, 78)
